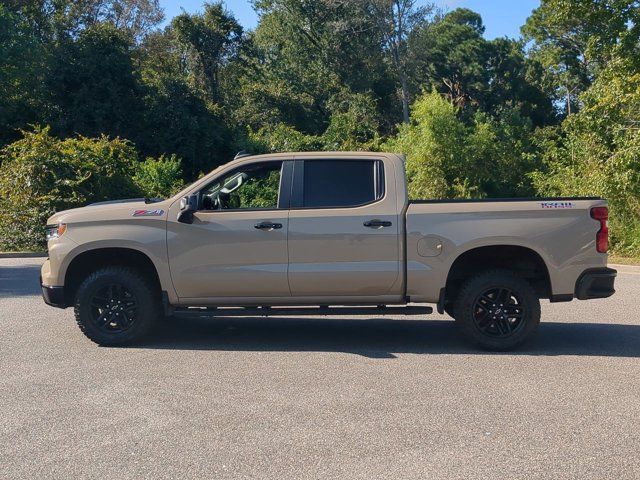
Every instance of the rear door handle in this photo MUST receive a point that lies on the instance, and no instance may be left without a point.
(377, 223)
(268, 226)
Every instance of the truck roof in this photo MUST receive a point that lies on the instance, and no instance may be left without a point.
(335, 155)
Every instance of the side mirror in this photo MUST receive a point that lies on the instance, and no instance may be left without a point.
(188, 205)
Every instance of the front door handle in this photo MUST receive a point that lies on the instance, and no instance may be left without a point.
(268, 226)
(377, 223)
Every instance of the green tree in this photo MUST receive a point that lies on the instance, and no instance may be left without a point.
(354, 123)
(21, 65)
(434, 144)
(451, 56)
(396, 21)
(54, 20)
(304, 53)
(597, 151)
(210, 40)
(94, 88)
(449, 158)
(178, 118)
(574, 39)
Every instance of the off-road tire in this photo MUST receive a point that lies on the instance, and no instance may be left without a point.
(135, 286)
(475, 310)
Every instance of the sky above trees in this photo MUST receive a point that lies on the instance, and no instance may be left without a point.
(501, 17)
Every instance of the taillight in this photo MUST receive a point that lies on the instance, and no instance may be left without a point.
(601, 214)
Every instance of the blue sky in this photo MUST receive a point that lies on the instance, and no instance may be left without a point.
(501, 17)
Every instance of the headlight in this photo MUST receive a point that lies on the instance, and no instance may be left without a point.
(55, 231)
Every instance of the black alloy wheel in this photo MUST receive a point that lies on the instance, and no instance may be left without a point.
(498, 312)
(114, 308)
(497, 309)
(117, 306)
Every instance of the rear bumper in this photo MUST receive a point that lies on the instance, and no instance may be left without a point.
(596, 283)
(53, 296)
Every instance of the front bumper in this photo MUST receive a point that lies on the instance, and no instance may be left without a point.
(53, 296)
(596, 283)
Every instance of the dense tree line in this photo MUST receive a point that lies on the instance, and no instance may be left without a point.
(555, 112)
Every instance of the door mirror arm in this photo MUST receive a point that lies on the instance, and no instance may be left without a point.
(188, 205)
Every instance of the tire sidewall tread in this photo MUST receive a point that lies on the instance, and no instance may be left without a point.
(465, 300)
(136, 283)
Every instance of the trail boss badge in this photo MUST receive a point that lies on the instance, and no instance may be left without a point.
(556, 204)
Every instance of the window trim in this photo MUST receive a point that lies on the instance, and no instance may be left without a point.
(284, 188)
(297, 187)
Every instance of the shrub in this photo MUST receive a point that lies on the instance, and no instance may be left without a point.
(41, 175)
(160, 177)
(354, 123)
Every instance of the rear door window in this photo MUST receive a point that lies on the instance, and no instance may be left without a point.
(339, 183)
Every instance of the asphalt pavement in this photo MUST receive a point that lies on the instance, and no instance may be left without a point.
(316, 398)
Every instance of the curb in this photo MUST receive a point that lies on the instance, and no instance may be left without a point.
(625, 268)
(23, 254)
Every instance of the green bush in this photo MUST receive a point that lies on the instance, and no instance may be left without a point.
(160, 177)
(353, 124)
(448, 157)
(41, 175)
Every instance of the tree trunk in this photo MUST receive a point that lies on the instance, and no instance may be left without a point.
(405, 97)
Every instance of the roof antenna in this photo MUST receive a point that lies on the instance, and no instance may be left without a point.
(241, 153)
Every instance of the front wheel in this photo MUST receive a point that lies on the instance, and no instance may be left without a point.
(497, 310)
(116, 306)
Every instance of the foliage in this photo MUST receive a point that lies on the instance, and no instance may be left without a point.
(20, 63)
(575, 39)
(396, 20)
(354, 123)
(94, 88)
(160, 178)
(447, 158)
(555, 113)
(209, 39)
(40, 175)
(433, 143)
(258, 192)
(597, 151)
(452, 57)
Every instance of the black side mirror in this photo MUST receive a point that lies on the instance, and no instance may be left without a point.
(188, 205)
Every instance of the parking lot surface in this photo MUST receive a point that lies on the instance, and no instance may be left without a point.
(333, 397)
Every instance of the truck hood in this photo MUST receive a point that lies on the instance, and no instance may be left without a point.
(112, 210)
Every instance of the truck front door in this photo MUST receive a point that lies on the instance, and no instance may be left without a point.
(237, 243)
(343, 229)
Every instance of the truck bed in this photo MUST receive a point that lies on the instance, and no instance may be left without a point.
(559, 230)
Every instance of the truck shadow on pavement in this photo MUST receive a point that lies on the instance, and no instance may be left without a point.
(382, 338)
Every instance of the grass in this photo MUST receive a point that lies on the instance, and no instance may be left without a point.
(613, 258)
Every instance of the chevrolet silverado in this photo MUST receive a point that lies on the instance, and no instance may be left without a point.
(323, 233)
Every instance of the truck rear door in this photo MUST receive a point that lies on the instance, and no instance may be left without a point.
(343, 229)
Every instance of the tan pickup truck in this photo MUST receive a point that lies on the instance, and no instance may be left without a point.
(323, 233)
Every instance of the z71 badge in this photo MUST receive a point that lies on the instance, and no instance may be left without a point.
(556, 204)
(147, 213)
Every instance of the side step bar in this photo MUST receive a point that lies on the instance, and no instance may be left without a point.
(298, 311)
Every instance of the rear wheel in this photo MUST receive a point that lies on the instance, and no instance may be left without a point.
(448, 309)
(498, 310)
(116, 306)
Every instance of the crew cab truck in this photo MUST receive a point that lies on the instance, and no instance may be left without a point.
(323, 233)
